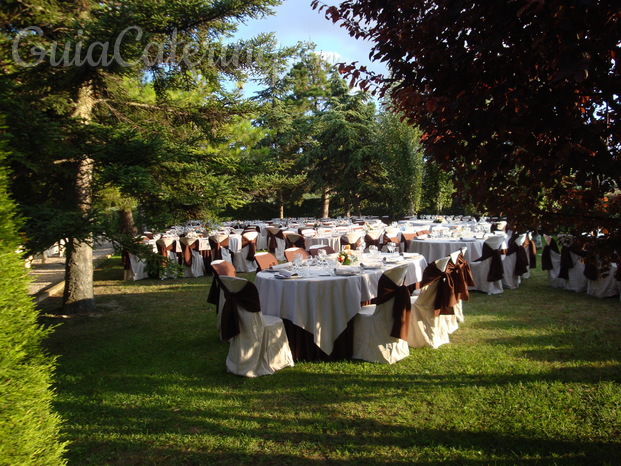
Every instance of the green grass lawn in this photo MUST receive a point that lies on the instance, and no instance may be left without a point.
(532, 375)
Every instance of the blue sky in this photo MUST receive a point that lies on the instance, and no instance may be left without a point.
(295, 21)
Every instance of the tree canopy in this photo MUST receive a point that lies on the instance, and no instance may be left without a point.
(519, 98)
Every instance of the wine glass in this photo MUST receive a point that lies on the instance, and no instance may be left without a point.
(297, 262)
(391, 247)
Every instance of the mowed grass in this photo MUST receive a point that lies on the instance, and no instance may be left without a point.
(532, 376)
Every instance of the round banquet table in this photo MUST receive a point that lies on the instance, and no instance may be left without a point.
(434, 249)
(333, 241)
(319, 308)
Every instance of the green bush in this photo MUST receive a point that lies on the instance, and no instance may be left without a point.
(29, 429)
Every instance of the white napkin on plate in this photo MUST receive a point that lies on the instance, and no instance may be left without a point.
(287, 273)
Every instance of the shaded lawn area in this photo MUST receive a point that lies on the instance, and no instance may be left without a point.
(532, 375)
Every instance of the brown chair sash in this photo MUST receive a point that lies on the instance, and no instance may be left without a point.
(390, 239)
(252, 247)
(216, 248)
(295, 241)
(248, 298)
(223, 268)
(174, 246)
(532, 253)
(546, 259)
(521, 259)
(372, 242)
(566, 263)
(591, 271)
(353, 245)
(496, 271)
(401, 309)
(186, 252)
(445, 293)
(462, 278)
(406, 239)
(423, 232)
(272, 244)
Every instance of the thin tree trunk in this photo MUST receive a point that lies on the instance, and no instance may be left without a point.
(78, 296)
(325, 203)
(127, 222)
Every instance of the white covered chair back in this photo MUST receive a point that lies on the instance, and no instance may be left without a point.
(244, 260)
(374, 324)
(261, 346)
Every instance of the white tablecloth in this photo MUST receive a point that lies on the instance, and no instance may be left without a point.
(434, 249)
(323, 305)
(333, 241)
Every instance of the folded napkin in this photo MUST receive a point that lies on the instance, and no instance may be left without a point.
(279, 267)
(410, 255)
(372, 264)
(287, 273)
(346, 270)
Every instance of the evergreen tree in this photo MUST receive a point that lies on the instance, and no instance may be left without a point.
(29, 429)
(65, 69)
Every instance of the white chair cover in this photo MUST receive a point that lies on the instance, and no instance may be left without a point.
(197, 269)
(510, 280)
(261, 347)
(373, 325)
(137, 268)
(606, 285)
(240, 260)
(480, 269)
(427, 329)
(281, 244)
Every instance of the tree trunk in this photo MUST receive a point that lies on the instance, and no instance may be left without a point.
(281, 211)
(325, 203)
(78, 296)
(127, 222)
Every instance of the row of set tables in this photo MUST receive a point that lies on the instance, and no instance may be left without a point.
(319, 303)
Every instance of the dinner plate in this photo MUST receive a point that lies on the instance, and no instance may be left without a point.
(282, 277)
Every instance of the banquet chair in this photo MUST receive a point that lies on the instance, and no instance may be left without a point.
(551, 261)
(168, 248)
(265, 260)
(390, 238)
(380, 330)
(290, 253)
(192, 259)
(565, 269)
(601, 281)
(276, 243)
(134, 268)
(244, 260)
(487, 270)
(220, 268)
(294, 240)
(515, 262)
(429, 326)
(352, 239)
(374, 238)
(258, 343)
(406, 239)
(219, 244)
(314, 249)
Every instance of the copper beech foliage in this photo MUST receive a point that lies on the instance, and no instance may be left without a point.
(519, 98)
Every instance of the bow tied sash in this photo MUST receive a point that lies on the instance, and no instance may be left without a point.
(252, 247)
(216, 248)
(247, 298)
(546, 259)
(496, 271)
(372, 242)
(186, 252)
(272, 244)
(446, 296)
(521, 259)
(462, 278)
(401, 308)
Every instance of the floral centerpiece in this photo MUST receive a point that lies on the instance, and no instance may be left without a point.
(346, 256)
